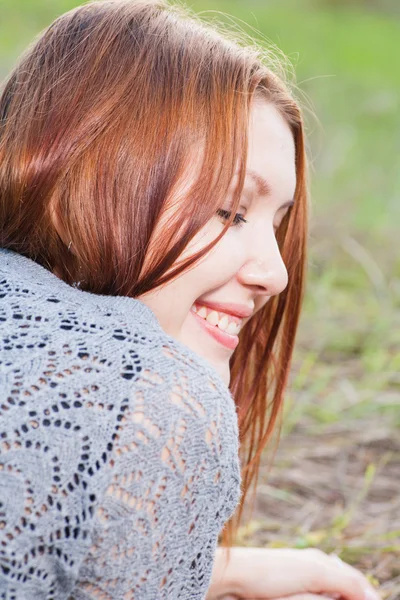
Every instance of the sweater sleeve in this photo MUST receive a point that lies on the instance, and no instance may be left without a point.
(171, 489)
(118, 448)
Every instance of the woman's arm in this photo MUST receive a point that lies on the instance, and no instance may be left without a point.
(272, 574)
(174, 473)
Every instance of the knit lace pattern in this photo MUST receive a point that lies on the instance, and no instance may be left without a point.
(118, 447)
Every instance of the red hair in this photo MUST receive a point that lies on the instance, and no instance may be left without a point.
(97, 126)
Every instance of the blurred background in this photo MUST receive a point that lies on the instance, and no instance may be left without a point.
(335, 482)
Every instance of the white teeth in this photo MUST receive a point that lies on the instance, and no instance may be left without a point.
(202, 312)
(212, 317)
(223, 323)
(233, 328)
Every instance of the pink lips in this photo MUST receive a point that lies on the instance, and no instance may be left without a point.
(226, 339)
(237, 310)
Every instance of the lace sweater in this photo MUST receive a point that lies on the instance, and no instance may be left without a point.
(118, 447)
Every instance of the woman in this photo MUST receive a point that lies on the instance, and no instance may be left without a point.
(153, 234)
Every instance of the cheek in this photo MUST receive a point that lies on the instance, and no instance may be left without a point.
(222, 263)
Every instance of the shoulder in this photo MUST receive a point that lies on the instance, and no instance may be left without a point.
(70, 354)
(83, 378)
(44, 319)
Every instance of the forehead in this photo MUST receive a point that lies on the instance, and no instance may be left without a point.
(271, 157)
(271, 152)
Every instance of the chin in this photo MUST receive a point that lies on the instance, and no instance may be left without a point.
(200, 343)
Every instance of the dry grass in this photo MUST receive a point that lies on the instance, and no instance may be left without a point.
(339, 491)
(335, 480)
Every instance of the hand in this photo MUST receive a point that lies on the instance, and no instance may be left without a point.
(308, 597)
(268, 574)
(295, 597)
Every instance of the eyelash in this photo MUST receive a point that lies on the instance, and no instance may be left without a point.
(237, 221)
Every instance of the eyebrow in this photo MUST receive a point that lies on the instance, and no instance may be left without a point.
(263, 188)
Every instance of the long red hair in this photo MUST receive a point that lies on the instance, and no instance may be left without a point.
(98, 124)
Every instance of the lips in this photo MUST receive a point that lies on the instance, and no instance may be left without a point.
(240, 311)
(226, 339)
(224, 321)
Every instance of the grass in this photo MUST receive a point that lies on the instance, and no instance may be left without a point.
(335, 481)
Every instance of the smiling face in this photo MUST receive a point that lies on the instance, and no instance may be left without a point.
(205, 306)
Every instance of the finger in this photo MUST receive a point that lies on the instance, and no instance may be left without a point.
(293, 597)
(337, 559)
(369, 591)
(335, 577)
(306, 597)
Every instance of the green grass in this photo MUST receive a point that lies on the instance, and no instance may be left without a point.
(344, 63)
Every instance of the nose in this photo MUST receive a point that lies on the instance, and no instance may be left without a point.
(268, 276)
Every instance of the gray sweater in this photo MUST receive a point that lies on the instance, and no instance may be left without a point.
(118, 447)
